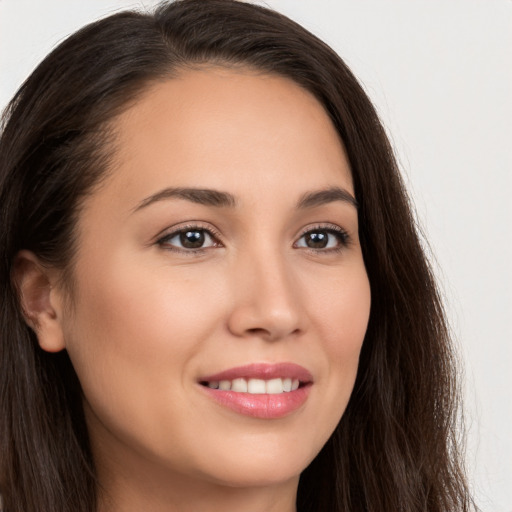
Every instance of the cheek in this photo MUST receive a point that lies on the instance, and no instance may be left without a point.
(133, 332)
(342, 318)
(342, 313)
(135, 308)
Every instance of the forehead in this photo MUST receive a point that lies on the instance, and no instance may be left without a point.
(220, 126)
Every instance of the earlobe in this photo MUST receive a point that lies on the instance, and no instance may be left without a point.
(40, 300)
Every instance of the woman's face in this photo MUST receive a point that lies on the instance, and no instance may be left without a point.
(221, 251)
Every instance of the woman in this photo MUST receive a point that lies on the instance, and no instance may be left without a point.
(214, 296)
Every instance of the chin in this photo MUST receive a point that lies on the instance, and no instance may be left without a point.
(257, 476)
(262, 468)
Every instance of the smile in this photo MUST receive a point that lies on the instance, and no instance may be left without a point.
(256, 386)
(267, 391)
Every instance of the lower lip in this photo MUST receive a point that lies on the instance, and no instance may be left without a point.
(260, 406)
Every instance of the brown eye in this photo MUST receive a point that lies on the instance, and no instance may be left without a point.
(188, 239)
(318, 239)
(192, 239)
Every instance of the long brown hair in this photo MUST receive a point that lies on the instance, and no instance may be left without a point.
(395, 448)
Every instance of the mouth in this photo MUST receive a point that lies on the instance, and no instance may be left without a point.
(267, 391)
(256, 386)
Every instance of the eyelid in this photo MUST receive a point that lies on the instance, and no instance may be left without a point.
(345, 237)
(214, 233)
(175, 230)
(325, 226)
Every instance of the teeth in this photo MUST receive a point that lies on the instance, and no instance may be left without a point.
(239, 385)
(256, 386)
(274, 386)
(225, 385)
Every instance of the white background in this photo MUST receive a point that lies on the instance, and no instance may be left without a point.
(440, 73)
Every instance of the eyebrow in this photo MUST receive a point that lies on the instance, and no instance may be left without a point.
(329, 195)
(204, 196)
(219, 199)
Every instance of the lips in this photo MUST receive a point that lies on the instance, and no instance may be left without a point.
(260, 390)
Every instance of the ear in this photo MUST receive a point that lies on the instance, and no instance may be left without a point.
(40, 300)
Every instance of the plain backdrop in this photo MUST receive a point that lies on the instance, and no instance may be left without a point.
(440, 74)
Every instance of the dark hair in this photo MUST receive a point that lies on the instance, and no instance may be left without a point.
(396, 446)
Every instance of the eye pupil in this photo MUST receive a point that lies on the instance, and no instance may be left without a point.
(192, 239)
(317, 239)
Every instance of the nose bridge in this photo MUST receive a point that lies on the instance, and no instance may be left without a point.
(266, 299)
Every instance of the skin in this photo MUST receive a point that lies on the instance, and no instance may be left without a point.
(149, 318)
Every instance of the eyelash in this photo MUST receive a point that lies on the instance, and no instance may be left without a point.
(343, 239)
(342, 236)
(212, 233)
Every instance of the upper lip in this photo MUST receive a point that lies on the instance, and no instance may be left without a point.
(265, 371)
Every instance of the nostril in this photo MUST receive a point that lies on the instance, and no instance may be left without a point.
(258, 331)
(268, 334)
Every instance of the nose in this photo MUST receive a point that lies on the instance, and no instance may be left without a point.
(266, 301)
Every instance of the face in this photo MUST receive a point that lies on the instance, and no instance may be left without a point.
(220, 298)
